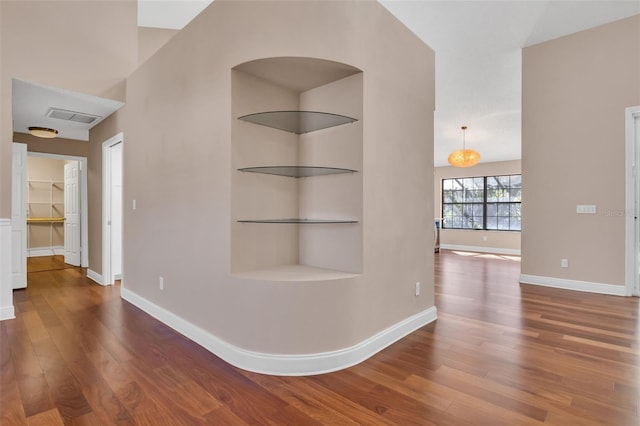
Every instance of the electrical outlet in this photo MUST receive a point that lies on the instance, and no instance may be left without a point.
(418, 289)
(161, 283)
(564, 263)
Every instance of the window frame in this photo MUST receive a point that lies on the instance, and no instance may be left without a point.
(485, 203)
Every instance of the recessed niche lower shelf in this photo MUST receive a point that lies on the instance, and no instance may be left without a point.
(295, 273)
(298, 221)
(296, 171)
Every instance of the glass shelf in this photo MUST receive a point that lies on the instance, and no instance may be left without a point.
(298, 221)
(297, 122)
(297, 171)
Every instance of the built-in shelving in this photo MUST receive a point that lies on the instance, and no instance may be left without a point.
(296, 171)
(298, 122)
(45, 215)
(298, 221)
(295, 273)
(296, 156)
(45, 219)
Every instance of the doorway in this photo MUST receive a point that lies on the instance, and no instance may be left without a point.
(57, 193)
(50, 192)
(112, 168)
(632, 225)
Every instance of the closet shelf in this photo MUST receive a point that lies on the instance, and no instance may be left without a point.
(45, 219)
(297, 122)
(299, 221)
(296, 171)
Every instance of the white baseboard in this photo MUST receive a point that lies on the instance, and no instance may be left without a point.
(480, 249)
(591, 287)
(284, 365)
(6, 274)
(45, 251)
(93, 275)
(7, 312)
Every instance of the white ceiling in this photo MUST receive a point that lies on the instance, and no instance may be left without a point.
(478, 47)
(31, 103)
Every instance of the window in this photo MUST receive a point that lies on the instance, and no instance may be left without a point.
(488, 202)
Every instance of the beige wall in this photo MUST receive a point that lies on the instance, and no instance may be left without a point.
(490, 240)
(178, 168)
(575, 91)
(84, 46)
(104, 131)
(152, 39)
(58, 146)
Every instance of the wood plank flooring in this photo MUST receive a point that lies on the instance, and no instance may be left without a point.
(46, 263)
(500, 353)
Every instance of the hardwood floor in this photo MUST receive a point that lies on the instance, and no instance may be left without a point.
(46, 263)
(500, 353)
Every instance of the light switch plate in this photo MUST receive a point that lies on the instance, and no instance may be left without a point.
(586, 209)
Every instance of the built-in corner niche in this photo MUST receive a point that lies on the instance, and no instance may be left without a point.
(306, 225)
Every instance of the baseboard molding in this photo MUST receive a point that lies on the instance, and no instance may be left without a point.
(45, 251)
(93, 275)
(492, 250)
(284, 365)
(7, 312)
(590, 287)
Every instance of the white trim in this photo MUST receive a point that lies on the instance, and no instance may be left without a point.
(106, 206)
(84, 200)
(284, 365)
(480, 249)
(6, 277)
(591, 287)
(632, 231)
(45, 251)
(93, 275)
(7, 312)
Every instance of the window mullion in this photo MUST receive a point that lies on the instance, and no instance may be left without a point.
(484, 203)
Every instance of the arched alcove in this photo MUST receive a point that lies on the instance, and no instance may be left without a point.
(296, 169)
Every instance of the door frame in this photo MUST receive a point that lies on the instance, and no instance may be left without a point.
(632, 222)
(19, 251)
(84, 201)
(107, 274)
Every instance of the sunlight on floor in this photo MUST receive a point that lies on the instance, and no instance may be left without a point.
(486, 255)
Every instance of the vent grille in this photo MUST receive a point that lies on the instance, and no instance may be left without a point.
(78, 117)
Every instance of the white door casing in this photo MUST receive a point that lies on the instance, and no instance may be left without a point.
(632, 224)
(116, 210)
(108, 271)
(19, 216)
(72, 213)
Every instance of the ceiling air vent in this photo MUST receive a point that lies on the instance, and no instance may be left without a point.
(78, 117)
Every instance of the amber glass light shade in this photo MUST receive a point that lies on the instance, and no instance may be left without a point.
(464, 158)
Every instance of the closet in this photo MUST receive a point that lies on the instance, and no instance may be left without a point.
(45, 206)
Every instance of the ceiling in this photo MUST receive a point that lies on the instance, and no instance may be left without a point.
(32, 103)
(478, 47)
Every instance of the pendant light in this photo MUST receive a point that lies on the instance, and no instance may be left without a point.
(464, 157)
(43, 132)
